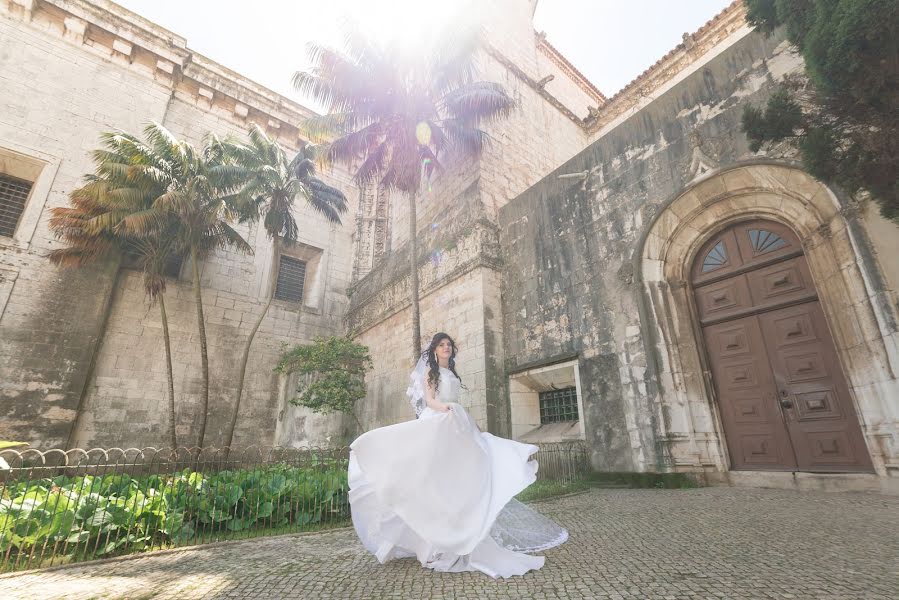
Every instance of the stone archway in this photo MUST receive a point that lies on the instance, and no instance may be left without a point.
(863, 325)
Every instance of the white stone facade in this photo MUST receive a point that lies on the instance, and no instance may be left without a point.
(544, 282)
(69, 71)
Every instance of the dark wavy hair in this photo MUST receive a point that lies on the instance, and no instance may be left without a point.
(430, 356)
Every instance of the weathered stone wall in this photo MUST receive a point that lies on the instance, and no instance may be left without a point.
(456, 220)
(54, 102)
(570, 246)
(66, 336)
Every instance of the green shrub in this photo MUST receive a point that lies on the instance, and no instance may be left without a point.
(88, 516)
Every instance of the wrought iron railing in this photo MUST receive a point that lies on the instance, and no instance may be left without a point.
(60, 507)
(563, 462)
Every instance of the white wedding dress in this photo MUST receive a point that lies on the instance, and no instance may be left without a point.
(440, 490)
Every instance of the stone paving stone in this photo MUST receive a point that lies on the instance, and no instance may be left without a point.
(649, 544)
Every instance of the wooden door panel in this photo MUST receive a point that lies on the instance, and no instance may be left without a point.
(762, 450)
(781, 283)
(723, 299)
(817, 404)
(820, 417)
(756, 435)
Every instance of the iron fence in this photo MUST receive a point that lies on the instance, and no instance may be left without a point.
(60, 507)
(563, 462)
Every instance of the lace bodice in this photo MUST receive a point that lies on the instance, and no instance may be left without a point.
(449, 386)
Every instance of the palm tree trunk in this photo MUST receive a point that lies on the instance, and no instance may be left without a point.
(229, 436)
(173, 439)
(204, 355)
(413, 272)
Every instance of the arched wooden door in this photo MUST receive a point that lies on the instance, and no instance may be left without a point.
(783, 399)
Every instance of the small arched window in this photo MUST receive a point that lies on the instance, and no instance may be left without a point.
(715, 258)
(764, 241)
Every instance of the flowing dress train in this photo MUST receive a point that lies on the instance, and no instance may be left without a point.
(442, 491)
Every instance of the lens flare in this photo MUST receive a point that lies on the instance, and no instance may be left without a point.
(436, 257)
(423, 134)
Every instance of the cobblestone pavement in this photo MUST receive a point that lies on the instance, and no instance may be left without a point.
(705, 543)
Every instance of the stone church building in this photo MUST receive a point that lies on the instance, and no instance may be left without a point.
(620, 270)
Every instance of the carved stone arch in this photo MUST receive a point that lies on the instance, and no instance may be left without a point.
(863, 323)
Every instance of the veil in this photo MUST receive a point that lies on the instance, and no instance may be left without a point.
(416, 390)
(417, 379)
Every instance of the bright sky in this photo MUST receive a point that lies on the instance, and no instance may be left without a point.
(609, 41)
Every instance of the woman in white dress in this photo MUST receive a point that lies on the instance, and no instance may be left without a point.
(442, 491)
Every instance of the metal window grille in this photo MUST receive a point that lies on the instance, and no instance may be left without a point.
(13, 194)
(291, 278)
(558, 405)
(172, 266)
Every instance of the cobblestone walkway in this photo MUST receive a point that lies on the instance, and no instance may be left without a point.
(706, 543)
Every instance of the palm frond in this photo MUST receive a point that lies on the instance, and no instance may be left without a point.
(477, 102)
(327, 200)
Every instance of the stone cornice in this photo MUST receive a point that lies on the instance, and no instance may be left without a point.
(694, 49)
(532, 83)
(114, 33)
(569, 69)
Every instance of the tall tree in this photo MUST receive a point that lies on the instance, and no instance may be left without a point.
(90, 228)
(201, 195)
(272, 184)
(392, 116)
(842, 113)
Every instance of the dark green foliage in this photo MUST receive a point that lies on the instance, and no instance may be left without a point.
(778, 121)
(843, 117)
(643, 480)
(331, 373)
(90, 516)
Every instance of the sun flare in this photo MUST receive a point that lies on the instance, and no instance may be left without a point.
(401, 21)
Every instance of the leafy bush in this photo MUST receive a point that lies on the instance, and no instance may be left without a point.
(87, 516)
(331, 373)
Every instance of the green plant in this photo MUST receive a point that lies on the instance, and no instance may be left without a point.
(842, 113)
(89, 516)
(331, 374)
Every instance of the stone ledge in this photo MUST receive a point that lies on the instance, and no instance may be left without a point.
(807, 482)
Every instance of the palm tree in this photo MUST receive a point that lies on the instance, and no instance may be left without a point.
(272, 184)
(200, 195)
(392, 116)
(90, 227)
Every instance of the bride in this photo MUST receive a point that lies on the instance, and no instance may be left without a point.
(442, 491)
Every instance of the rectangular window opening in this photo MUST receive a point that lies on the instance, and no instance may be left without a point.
(13, 195)
(173, 265)
(291, 279)
(558, 405)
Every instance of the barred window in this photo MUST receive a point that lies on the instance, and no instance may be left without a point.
(291, 278)
(558, 405)
(173, 263)
(13, 194)
(171, 268)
